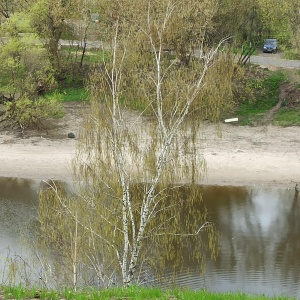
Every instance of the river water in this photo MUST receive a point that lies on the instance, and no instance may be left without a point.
(260, 237)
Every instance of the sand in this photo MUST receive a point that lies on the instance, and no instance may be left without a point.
(252, 156)
(260, 156)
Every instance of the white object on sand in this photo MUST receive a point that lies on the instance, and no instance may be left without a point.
(231, 120)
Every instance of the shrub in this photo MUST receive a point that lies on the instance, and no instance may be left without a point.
(25, 113)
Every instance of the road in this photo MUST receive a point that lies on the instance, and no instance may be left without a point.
(275, 61)
(263, 59)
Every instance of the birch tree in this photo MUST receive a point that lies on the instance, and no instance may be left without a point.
(140, 144)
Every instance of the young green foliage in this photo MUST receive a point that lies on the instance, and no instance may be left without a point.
(25, 74)
(128, 163)
(27, 113)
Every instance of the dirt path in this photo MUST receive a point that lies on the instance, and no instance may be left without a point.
(286, 89)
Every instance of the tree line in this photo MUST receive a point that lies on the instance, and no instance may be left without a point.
(29, 70)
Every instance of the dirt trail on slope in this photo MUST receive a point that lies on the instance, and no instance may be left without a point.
(288, 92)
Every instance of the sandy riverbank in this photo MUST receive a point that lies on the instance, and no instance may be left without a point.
(268, 156)
(36, 158)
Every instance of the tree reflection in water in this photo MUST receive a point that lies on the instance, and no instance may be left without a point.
(260, 240)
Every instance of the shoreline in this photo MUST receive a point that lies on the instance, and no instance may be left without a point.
(36, 158)
(244, 156)
(254, 156)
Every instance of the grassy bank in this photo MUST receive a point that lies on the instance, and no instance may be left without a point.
(268, 97)
(264, 88)
(132, 293)
(259, 93)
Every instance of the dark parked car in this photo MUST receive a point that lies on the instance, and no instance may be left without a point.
(270, 46)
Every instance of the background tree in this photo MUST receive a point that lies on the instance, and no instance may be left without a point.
(190, 28)
(273, 18)
(10, 7)
(292, 15)
(25, 69)
(49, 20)
(241, 20)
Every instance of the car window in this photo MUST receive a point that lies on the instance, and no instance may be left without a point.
(271, 41)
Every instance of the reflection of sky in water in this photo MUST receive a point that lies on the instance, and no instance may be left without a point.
(259, 253)
(260, 242)
(268, 209)
(263, 213)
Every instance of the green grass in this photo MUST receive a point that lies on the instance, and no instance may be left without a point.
(69, 94)
(266, 92)
(96, 56)
(90, 56)
(132, 293)
(287, 117)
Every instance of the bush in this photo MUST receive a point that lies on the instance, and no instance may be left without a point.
(27, 113)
